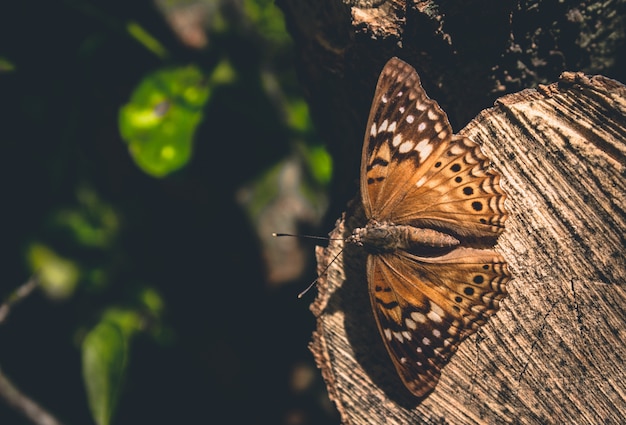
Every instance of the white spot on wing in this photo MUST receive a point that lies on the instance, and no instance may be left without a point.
(396, 140)
(387, 333)
(456, 150)
(421, 181)
(410, 323)
(438, 127)
(418, 317)
(410, 119)
(424, 148)
(384, 98)
(421, 106)
(434, 307)
(406, 146)
(436, 333)
(373, 130)
(383, 126)
(401, 109)
(400, 93)
(392, 127)
(434, 317)
(398, 336)
(436, 313)
(406, 335)
(421, 126)
(432, 115)
(426, 341)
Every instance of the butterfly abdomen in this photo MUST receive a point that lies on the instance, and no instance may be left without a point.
(378, 237)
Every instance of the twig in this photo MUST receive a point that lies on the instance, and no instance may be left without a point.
(8, 391)
(18, 295)
(22, 403)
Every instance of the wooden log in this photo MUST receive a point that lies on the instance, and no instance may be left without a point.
(555, 351)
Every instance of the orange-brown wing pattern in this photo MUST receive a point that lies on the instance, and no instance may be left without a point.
(404, 129)
(414, 171)
(425, 307)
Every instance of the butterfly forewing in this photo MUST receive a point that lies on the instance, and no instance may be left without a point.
(405, 129)
(415, 172)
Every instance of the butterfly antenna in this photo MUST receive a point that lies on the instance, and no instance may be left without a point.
(322, 238)
(301, 294)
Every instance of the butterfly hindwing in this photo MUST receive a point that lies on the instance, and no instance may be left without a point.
(404, 325)
(459, 193)
(425, 307)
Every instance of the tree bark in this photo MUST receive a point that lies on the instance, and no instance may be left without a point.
(468, 54)
(554, 352)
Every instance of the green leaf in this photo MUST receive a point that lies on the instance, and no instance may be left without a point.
(58, 276)
(160, 121)
(92, 222)
(269, 20)
(321, 164)
(105, 349)
(145, 38)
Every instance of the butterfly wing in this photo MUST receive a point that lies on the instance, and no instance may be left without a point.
(425, 307)
(459, 194)
(414, 171)
(404, 128)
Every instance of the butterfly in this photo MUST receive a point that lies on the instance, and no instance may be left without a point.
(434, 209)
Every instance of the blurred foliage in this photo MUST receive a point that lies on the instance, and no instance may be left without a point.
(6, 65)
(58, 276)
(152, 44)
(105, 351)
(129, 130)
(160, 121)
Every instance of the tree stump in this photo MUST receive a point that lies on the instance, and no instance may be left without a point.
(555, 351)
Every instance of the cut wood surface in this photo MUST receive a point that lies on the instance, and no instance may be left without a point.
(555, 351)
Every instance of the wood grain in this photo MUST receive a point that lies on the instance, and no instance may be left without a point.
(555, 351)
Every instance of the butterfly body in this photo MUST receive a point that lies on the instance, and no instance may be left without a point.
(433, 206)
(380, 237)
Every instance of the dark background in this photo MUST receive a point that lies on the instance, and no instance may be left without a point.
(228, 344)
